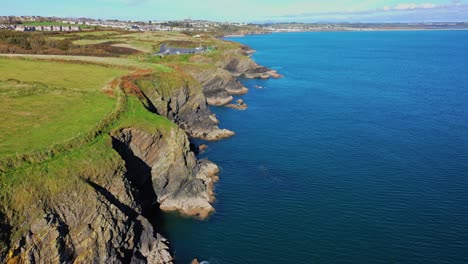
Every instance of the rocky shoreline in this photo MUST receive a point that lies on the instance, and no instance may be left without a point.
(107, 220)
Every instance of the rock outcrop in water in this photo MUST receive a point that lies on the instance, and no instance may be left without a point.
(219, 79)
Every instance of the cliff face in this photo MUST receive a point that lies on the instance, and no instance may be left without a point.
(100, 215)
(219, 79)
(243, 66)
(218, 85)
(103, 219)
(94, 224)
(181, 99)
(180, 182)
(105, 192)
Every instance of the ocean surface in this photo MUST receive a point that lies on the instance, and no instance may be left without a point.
(358, 155)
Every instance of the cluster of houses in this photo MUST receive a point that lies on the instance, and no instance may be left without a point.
(183, 25)
(41, 28)
(48, 28)
(186, 25)
(7, 27)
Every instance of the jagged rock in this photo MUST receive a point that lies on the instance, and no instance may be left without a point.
(202, 147)
(220, 82)
(215, 134)
(180, 182)
(101, 224)
(240, 105)
(219, 101)
(242, 90)
(262, 73)
(275, 74)
(187, 106)
(237, 106)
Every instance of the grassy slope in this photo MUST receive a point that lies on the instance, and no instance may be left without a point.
(68, 102)
(74, 76)
(32, 186)
(138, 62)
(41, 182)
(39, 185)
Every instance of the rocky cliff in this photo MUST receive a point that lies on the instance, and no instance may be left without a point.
(97, 210)
(180, 98)
(180, 182)
(98, 221)
(218, 84)
(102, 218)
(94, 204)
(219, 75)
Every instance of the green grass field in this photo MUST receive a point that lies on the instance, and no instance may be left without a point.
(66, 75)
(130, 63)
(97, 33)
(67, 102)
(50, 103)
(42, 183)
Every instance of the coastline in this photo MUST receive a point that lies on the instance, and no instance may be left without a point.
(104, 199)
(152, 164)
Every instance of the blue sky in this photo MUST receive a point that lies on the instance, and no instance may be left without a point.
(248, 10)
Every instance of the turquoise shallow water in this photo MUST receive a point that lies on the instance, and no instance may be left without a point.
(358, 155)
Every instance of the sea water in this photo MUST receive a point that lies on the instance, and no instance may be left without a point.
(358, 155)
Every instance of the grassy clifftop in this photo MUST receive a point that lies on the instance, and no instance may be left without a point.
(56, 120)
(58, 111)
(50, 102)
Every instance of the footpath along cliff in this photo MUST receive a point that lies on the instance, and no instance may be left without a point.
(100, 203)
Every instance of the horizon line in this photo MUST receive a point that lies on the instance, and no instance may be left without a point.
(243, 22)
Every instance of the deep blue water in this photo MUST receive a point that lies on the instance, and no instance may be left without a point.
(358, 155)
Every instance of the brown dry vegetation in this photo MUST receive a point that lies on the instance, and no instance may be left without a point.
(13, 42)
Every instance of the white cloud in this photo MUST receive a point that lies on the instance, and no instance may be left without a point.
(414, 6)
(451, 11)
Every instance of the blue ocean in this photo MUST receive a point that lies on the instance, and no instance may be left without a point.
(358, 155)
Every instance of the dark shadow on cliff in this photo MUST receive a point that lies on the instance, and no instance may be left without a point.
(113, 200)
(139, 175)
(149, 104)
(127, 210)
(5, 232)
(66, 250)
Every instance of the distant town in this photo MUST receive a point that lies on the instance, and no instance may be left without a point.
(39, 23)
